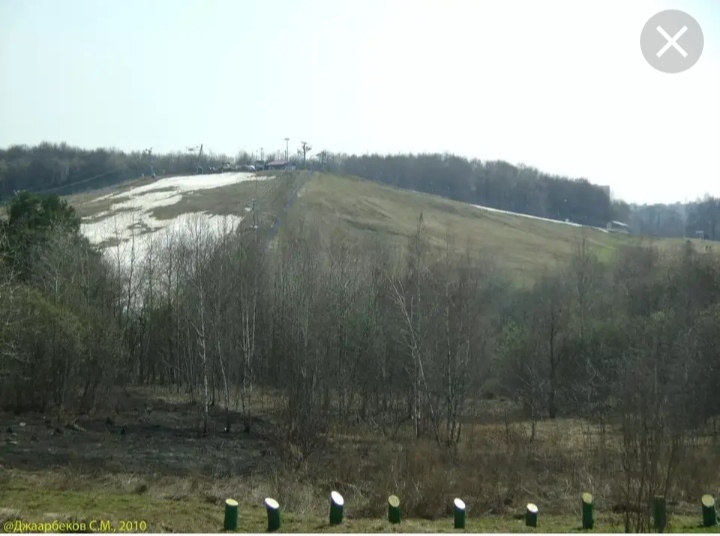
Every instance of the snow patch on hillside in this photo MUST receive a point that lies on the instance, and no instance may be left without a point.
(130, 223)
(497, 210)
(135, 246)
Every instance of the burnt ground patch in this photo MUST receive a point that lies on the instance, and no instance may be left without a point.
(149, 436)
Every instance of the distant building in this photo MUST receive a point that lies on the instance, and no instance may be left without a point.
(277, 164)
(700, 235)
(618, 227)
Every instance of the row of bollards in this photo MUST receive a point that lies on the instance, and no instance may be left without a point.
(709, 513)
(231, 514)
(337, 503)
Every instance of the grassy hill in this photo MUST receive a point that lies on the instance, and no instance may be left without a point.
(521, 246)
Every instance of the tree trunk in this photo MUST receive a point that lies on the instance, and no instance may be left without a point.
(204, 358)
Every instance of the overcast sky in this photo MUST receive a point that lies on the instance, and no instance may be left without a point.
(558, 85)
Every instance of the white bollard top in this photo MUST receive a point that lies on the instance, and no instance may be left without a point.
(337, 498)
(272, 503)
(459, 503)
(532, 508)
(231, 502)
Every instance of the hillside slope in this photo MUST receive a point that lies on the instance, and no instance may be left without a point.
(522, 246)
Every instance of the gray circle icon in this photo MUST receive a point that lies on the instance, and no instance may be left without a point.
(672, 41)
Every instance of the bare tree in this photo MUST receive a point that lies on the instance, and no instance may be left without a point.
(408, 293)
(200, 244)
(304, 149)
(8, 319)
(551, 319)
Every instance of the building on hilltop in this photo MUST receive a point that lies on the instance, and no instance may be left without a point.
(277, 164)
(618, 227)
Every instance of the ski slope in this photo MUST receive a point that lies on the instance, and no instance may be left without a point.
(130, 225)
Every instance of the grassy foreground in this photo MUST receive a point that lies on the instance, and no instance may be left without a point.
(21, 499)
(146, 467)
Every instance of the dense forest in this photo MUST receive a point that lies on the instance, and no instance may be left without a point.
(63, 169)
(360, 334)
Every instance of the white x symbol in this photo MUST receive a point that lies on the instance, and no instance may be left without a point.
(672, 41)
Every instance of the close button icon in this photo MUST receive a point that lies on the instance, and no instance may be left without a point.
(672, 41)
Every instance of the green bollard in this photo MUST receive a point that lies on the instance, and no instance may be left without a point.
(531, 515)
(336, 508)
(273, 514)
(708, 511)
(394, 509)
(659, 513)
(459, 507)
(231, 515)
(587, 511)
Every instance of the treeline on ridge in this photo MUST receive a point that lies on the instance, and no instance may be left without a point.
(64, 170)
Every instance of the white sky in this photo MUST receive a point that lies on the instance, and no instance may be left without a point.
(556, 84)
